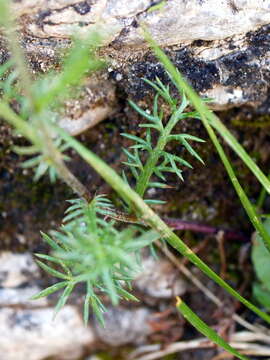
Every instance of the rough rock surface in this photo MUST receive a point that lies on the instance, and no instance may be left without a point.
(159, 279)
(118, 330)
(171, 24)
(234, 71)
(223, 50)
(27, 331)
(27, 328)
(30, 334)
(225, 62)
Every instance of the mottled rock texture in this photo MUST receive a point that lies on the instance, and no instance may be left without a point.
(170, 24)
(30, 334)
(223, 50)
(28, 330)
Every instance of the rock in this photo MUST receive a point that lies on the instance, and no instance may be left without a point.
(27, 328)
(121, 329)
(233, 71)
(222, 50)
(19, 277)
(95, 102)
(17, 269)
(21, 296)
(31, 334)
(159, 279)
(176, 22)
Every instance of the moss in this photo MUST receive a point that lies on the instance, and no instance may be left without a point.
(261, 121)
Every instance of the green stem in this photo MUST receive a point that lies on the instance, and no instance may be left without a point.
(250, 209)
(151, 218)
(203, 109)
(240, 151)
(147, 172)
(15, 48)
(262, 197)
(207, 118)
(203, 328)
(151, 162)
(50, 150)
(20, 125)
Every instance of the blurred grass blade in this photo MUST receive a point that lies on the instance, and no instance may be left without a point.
(63, 298)
(13, 119)
(151, 218)
(8, 23)
(181, 84)
(81, 59)
(49, 290)
(205, 329)
(52, 271)
(207, 117)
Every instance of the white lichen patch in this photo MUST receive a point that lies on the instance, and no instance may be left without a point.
(225, 97)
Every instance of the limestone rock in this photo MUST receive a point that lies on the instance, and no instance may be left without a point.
(121, 329)
(27, 328)
(30, 334)
(96, 101)
(223, 50)
(173, 23)
(17, 269)
(158, 279)
(234, 71)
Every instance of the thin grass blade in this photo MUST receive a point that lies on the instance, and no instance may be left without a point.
(49, 290)
(203, 328)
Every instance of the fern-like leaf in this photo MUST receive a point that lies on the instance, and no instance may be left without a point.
(93, 251)
(158, 160)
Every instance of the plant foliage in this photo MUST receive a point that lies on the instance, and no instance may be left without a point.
(158, 160)
(90, 250)
(211, 122)
(261, 263)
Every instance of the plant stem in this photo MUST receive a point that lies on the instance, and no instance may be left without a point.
(241, 152)
(208, 119)
(52, 152)
(250, 209)
(261, 198)
(72, 181)
(154, 156)
(15, 48)
(55, 156)
(151, 218)
(16, 121)
(181, 84)
(201, 326)
(148, 169)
